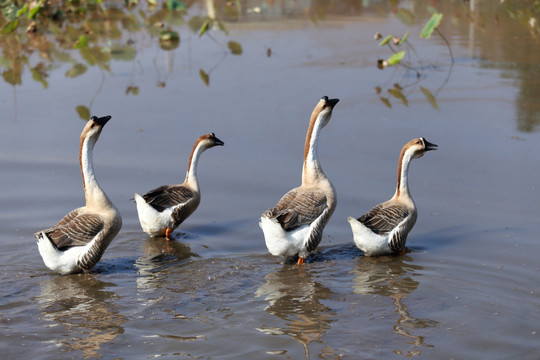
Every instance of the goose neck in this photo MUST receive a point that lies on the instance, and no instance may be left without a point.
(93, 193)
(312, 169)
(402, 188)
(191, 174)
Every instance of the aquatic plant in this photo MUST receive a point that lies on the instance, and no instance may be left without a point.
(408, 58)
(44, 35)
(204, 27)
(397, 56)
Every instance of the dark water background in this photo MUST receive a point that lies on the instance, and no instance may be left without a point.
(468, 290)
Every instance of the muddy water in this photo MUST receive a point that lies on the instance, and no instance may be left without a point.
(468, 289)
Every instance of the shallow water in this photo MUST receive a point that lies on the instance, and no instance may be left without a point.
(469, 287)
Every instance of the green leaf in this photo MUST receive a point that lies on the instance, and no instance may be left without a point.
(405, 16)
(39, 75)
(430, 97)
(204, 28)
(204, 77)
(196, 23)
(399, 95)
(222, 27)
(81, 42)
(33, 11)
(132, 90)
(386, 101)
(22, 10)
(9, 10)
(396, 58)
(96, 56)
(404, 38)
(236, 48)
(430, 26)
(10, 27)
(175, 5)
(83, 111)
(386, 40)
(167, 35)
(5, 62)
(169, 40)
(12, 77)
(76, 70)
(131, 23)
(123, 52)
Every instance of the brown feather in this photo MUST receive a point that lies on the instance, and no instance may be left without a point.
(75, 229)
(298, 207)
(384, 217)
(167, 196)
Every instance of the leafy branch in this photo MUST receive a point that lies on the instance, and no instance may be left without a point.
(404, 54)
(397, 56)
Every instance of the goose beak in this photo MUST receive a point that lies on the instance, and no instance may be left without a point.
(331, 102)
(218, 142)
(429, 146)
(101, 121)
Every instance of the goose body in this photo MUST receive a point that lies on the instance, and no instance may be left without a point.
(79, 240)
(383, 230)
(163, 209)
(295, 225)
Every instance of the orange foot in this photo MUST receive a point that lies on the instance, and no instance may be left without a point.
(167, 234)
(300, 260)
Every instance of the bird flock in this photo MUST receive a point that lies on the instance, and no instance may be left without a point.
(292, 229)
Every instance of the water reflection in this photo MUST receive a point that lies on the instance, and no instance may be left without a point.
(87, 311)
(294, 297)
(81, 35)
(44, 37)
(159, 254)
(503, 35)
(394, 277)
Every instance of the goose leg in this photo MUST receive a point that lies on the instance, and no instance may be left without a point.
(167, 234)
(300, 260)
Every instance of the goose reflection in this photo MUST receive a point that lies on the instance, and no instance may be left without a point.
(393, 277)
(87, 311)
(294, 297)
(157, 256)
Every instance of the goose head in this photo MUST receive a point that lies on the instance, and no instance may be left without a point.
(94, 126)
(209, 141)
(418, 147)
(323, 110)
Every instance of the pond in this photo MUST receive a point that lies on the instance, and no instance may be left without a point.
(251, 72)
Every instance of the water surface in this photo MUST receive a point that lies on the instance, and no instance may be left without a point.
(469, 287)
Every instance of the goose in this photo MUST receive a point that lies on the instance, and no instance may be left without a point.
(79, 240)
(383, 230)
(163, 209)
(295, 225)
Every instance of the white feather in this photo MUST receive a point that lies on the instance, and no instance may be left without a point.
(366, 240)
(280, 242)
(152, 221)
(62, 262)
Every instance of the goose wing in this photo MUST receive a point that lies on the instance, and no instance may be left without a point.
(75, 229)
(167, 196)
(383, 218)
(297, 208)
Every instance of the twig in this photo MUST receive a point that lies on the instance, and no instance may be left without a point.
(447, 43)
